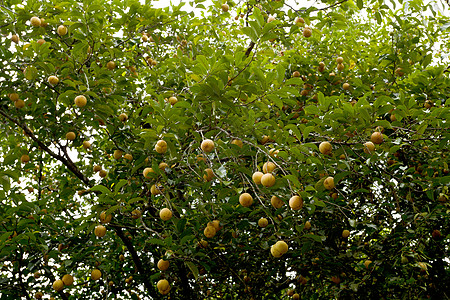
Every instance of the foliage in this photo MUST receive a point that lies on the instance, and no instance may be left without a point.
(261, 92)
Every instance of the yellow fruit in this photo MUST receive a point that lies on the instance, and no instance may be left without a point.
(128, 156)
(263, 222)
(162, 166)
(110, 65)
(325, 148)
(328, 183)
(70, 135)
(86, 145)
(165, 214)
(296, 74)
(207, 145)
(256, 177)
(376, 138)
(118, 154)
(15, 38)
(173, 100)
(13, 97)
(25, 158)
(161, 147)
(307, 225)
(102, 173)
(80, 101)
(38, 295)
(276, 202)
(367, 263)
(19, 103)
(369, 147)
(96, 274)
(299, 20)
(238, 143)
(346, 86)
(307, 32)
(296, 297)
(163, 264)
(105, 219)
(58, 285)
(215, 224)
(100, 231)
(35, 21)
(273, 152)
(136, 214)
(345, 233)
(156, 189)
(97, 168)
(67, 280)
(340, 67)
(268, 180)
(270, 19)
(268, 167)
(53, 80)
(40, 41)
(202, 244)
(147, 171)
(245, 199)
(339, 60)
(62, 30)
(209, 231)
(208, 174)
(279, 248)
(123, 117)
(163, 286)
(43, 23)
(225, 7)
(296, 202)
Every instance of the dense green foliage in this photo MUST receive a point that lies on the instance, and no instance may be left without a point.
(262, 91)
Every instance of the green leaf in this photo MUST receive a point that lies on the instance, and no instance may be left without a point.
(100, 188)
(193, 269)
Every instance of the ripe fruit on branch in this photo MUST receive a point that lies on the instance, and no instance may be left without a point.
(245, 199)
(345, 233)
(35, 21)
(110, 65)
(307, 225)
(367, 263)
(163, 264)
(13, 96)
(147, 171)
(268, 180)
(256, 177)
(209, 231)
(279, 248)
(62, 30)
(128, 156)
(163, 286)
(276, 202)
(299, 20)
(123, 117)
(118, 154)
(156, 189)
(369, 147)
(328, 183)
(163, 166)
(346, 86)
(340, 67)
(268, 167)
(100, 231)
(136, 214)
(25, 158)
(225, 7)
(70, 135)
(86, 145)
(67, 280)
(296, 74)
(376, 138)
(215, 224)
(97, 168)
(58, 285)
(238, 143)
(339, 60)
(325, 148)
(165, 214)
(80, 101)
(207, 145)
(19, 103)
(263, 222)
(102, 173)
(208, 174)
(96, 274)
(161, 147)
(105, 219)
(307, 32)
(296, 202)
(270, 19)
(173, 100)
(15, 38)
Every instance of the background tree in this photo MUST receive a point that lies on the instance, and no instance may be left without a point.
(254, 150)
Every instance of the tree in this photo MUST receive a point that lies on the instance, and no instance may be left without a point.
(255, 150)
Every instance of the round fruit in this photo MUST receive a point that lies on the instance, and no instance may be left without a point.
(86, 145)
(209, 231)
(67, 280)
(367, 263)
(35, 21)
(238, 143)
(268, 180)
(40, 41)
(147, 171)
(96, 274)
(296, 74)
(162, 166)
(325, 148)
(300, 20)
(376, 138)
(97, 168)
(296, 202)
(62, 30)
(15, 38)
(102, 173)
(165, 214)
(296, 297)
(100, 231)
(307, 225)
(70, 135)
(13, 97)
(346, 86)
(118, 154)
(256, 177)
(245, 199)
(173, 100)
(307, 32)
(268, 167)
(340, 67)
(163, 264)
(110, 65)
(276, 202)
(123, 117)
(58, 285)
(328, 183)
(19, 103)
(339, 60)
(105, 219)
(270, 19)
(156, 189)
(25, 158)
(215, 224)
(53, 80)
(163, 286)
(208, 174)
(273, 152)
(207, 145)
(369, 147)
(225, 7)
(128, 156)
(279, 248)
(80, 101)
(136, 214)
(263, 222)
(161, 146)
(345, 233)
(38, 295)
